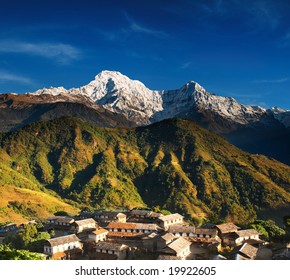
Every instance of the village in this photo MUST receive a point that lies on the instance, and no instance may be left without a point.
(144, 234)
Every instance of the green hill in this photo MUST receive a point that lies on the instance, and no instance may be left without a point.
(174, 164)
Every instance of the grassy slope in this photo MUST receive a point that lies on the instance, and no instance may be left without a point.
(174, 164)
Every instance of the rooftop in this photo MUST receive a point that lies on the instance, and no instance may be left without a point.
(227, 227)
(179, 244)
(103, 245)
(63, 240)
(85, 222)
(170, 217)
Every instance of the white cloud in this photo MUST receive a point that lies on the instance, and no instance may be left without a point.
(9, 77)
(275, 81)
(62, 53)
(135, 27)
(138, 28)
(185, 65)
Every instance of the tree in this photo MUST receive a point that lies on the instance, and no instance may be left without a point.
(7, 253)
(269, 227)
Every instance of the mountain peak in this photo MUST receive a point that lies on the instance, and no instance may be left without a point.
(193, 85)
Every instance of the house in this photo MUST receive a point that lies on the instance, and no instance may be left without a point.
(179, 247)
(120, 251)
(226, 228)
(155, 215)
(168, 220)
(186, 231)
(195, 234)
(98, 235)
(105, 217)
(243, 252)
(140, 213)
(59, 222)
(164, 240)
(150, 241)
(130, 229)
(63, 247)
(83, 225)
(239, 237)
(143, 216)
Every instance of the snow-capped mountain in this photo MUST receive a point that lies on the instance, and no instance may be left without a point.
(114, 100)
(132, 99)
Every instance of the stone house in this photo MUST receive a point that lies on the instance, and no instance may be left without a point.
(120, 251)
(130, 229)
(226, 229)
(179, 247)
(168, 220)
(63, 247)
(83, 225)
(98, 235)
(195, 234)
(239, 237)
(105, 217)
(59, 222)
(164, 239)
(243, 252)
(140, 213)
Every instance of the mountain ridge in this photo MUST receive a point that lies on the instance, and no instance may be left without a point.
(174, 164)
(116, 101)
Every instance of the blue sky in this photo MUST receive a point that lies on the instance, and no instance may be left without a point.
(232, 48)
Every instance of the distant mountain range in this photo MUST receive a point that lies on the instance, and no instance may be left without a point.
(113, 100)
(173, 164)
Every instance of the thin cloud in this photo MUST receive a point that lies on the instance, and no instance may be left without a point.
(9, 77)
(138, 28)
(62, 53)
(276, 81)
(135, 27)
(185, 65)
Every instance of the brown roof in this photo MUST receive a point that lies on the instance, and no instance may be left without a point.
(185, 229)
(104, 245)
(125, 234)
(140, 226)
(99, 231)
(227, 227)
(208, 231)
(121, 225)
(63, 240)
(179, 244)
(191, 229)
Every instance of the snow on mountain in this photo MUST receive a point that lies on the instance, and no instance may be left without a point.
(282, 116)
(52, 90)
(131, 98)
